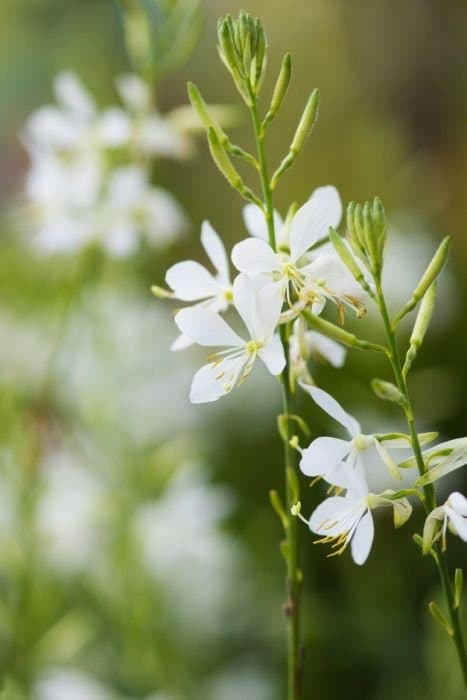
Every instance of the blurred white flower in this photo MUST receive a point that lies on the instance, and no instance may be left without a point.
(74, 193)
(97, 374)
(151, 133)
(69, 684)
(133, 209)
(184, 548)
(68, 512)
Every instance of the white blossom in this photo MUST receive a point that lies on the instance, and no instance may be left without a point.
(348, 519)
(307, 278)
(259, 307)
(191, 281)
(453, 515)
(331, 458)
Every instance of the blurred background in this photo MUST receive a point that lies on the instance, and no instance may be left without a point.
(138, 551)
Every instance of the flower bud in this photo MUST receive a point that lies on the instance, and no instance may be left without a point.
(223, 161)
(201, 109)
(387, 391)
(345, 255)
(280, 88)
(367, 229)
(306, 122)
(429, 276)
(433, 269)
(242, 48)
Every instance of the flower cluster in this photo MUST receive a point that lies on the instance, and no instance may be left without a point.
(270, 289)
(89, 178)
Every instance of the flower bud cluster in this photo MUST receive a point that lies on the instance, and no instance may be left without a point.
(242, 48)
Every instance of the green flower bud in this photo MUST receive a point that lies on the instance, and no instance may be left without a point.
(387, 391)
(428, 277)
(306, 122)
(280, 88)
(367, 229)
(201, 109)
(223, 161)
(242, 48)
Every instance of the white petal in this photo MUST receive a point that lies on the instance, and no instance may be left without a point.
(460, 525)
(323, 455)
(215, 380)
(313, 219)
(258, 304)
(206, 328)
(72, 95)
(363, 539)
(114, 128)
(255, 222)
(329, 269)
(215, 250)
(333, 409)
(329, 517)
(273, 355)
(121, 241)
(134, 92)
(333, 352)
(181, 342)
(254, 256)
(191, 281)
(458, 502)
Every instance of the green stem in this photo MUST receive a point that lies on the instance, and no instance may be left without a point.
(428, 490)
(291, 550)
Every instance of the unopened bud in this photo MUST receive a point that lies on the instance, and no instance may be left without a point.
(345, 255)
(201, 109)
(433, 269)
(280, 88)
(306, 122)
(429, 276)
(242, 48)
(387, 391)
(440, 618)
(223, 161)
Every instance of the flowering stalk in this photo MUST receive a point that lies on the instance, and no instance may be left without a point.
(429, 501)
(292, 494)
(367, 229)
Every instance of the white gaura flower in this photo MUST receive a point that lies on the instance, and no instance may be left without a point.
(440, 460)
(151, 133)
(259, 307)
(133, 209)
(191, 281)
(453, 515)
(332, 458)
(74, 123)
(307, 279)
(348, 519)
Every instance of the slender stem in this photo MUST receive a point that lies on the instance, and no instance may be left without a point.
(428, 490)
(291, 549)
